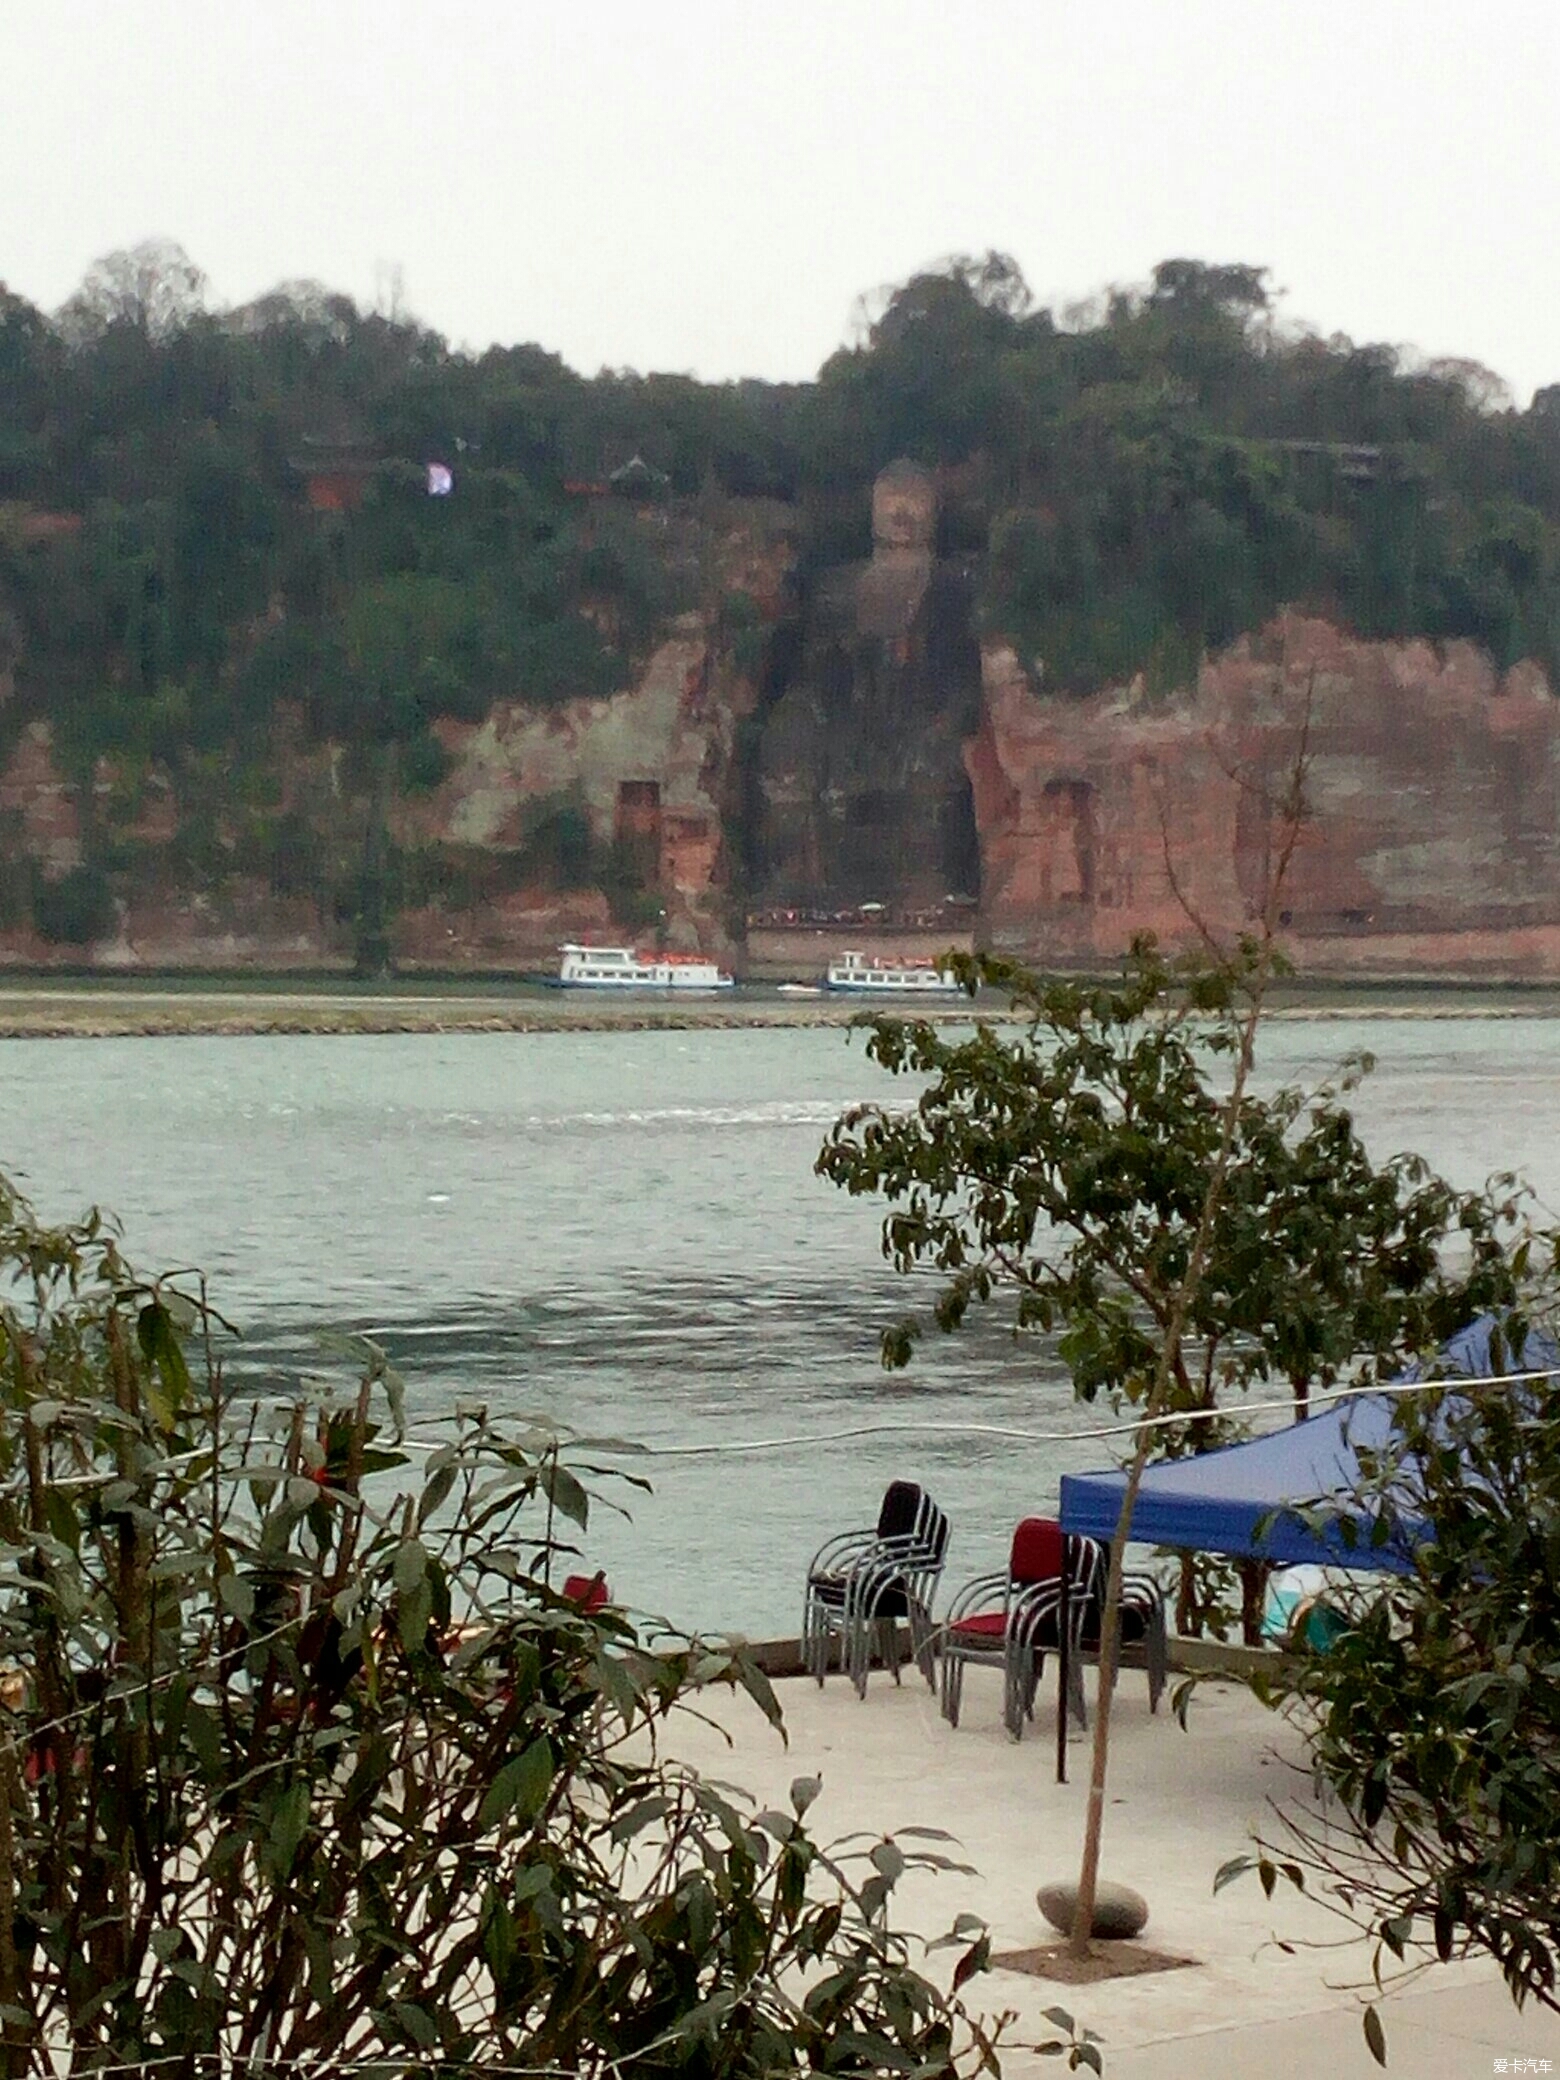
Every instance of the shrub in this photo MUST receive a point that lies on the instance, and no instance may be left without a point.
(425, 764)
(305, 1759)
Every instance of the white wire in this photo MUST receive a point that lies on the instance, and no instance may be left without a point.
(894, 1429)
(30, 1733)
(912, 1428)
(380, 2061)
(1011, 1434)
(377, 2061)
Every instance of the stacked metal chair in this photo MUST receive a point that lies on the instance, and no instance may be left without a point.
(1144, 1640)
(861, 1584)
(1012, 1619)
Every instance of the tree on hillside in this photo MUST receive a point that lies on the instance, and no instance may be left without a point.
(928, 380)
(154, 288)
(1192, 285)
(29, 357)
(320, 316)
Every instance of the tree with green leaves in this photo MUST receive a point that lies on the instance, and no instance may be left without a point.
(154, 289)
(306, 1757)
(1433, 1714)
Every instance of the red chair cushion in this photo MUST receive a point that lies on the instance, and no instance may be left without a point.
(1037, 1551)
(589, 1591)
(983, 1626)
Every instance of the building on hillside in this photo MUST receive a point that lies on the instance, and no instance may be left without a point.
(636, 479)
(335, 474)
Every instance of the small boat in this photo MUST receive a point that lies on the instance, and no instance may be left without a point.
(867, 975)
(798, 989)
(627, 967)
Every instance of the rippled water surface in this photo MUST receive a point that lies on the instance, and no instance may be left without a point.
(623, 1231)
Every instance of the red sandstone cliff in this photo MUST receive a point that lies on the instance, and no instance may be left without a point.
(650, 769)
(1431, 842)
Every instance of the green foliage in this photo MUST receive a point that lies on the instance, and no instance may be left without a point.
(304, 1759)
(424, 764)
(636, 907)
(744, 632)
(1137, 467)
(558, 842)
(1434, 1715)
(1168, 470)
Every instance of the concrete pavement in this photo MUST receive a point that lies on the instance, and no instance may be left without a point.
(1181, 1803)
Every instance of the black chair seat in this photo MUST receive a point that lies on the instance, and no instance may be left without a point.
(862, 1583)
(1132, 1625)
(890, 1601)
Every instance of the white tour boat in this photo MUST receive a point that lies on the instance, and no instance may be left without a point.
(867, 975)
(626, 967)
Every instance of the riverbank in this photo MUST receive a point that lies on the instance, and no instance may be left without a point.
(90, 1008)
(93, 1012)
(159, 1007)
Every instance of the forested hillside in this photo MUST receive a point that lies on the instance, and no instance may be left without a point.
(224, 562)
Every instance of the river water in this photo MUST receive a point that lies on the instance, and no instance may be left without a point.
(622, 1232)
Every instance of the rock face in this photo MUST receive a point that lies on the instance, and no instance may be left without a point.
(1430, 841)
(649, 769)
(1119, 1912)
(816, 747)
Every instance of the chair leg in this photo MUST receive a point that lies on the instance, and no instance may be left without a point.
(923, 1644)
(860, 1633)
(952, 1687)
(825, 1638)
(1156, 1655)
(1080, 1710)
(1017, 1685)
(822, 1626)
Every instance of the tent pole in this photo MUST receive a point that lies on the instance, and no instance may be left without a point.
(1064, 1664)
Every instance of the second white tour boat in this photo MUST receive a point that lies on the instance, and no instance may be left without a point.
(867, 975)
(627, 967)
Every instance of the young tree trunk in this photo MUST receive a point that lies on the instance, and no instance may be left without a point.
(1188, 1618)
(1253, 1579)
(1164, 1373)
(1179, 1313)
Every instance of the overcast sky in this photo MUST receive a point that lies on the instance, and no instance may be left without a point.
(709, 184)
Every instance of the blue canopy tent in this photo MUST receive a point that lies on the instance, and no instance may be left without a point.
(1247, 1498)
(1244, 1498)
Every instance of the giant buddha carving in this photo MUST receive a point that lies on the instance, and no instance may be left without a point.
(862, 793)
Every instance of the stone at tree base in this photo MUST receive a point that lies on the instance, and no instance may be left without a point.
(1119, 1912)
